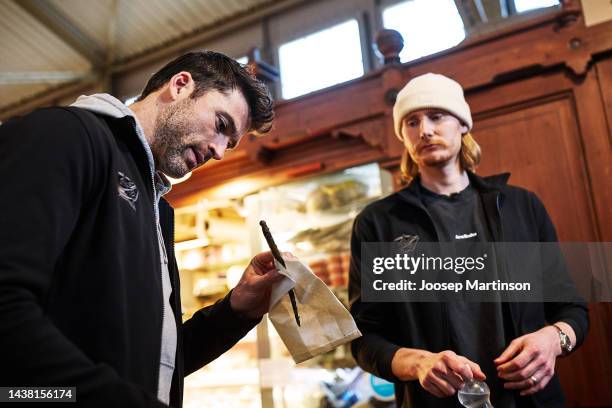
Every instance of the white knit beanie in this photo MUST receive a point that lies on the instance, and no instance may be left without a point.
(430, 91)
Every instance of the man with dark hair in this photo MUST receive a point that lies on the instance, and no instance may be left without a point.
(431, 349)
(89, 286)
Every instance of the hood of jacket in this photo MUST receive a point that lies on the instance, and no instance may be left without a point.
(108, 105)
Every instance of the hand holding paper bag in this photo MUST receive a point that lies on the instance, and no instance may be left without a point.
(251, 295)
(325, 322)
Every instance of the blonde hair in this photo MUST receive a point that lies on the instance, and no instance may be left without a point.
(469, 158)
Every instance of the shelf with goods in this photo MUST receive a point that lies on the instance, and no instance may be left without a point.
(231, 380)
(311, 218)
(212, 251)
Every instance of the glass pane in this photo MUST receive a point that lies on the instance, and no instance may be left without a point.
(313, 218)
(320, 59)
(526, 5)
(428, 26)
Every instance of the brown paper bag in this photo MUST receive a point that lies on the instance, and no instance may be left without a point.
(325, 322)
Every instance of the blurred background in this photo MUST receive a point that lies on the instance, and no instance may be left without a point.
(537, 75)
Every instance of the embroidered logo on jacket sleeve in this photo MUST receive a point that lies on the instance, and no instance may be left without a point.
(127, 190)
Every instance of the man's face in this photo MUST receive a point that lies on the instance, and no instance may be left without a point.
(189, 132)
(432, 137)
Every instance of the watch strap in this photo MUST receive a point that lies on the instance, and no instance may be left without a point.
(566, 343)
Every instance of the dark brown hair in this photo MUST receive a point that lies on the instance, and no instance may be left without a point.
(214, 71)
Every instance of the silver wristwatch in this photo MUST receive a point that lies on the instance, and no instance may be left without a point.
(566, 343)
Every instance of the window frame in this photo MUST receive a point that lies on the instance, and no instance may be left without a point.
(318, 30)
(385, 4)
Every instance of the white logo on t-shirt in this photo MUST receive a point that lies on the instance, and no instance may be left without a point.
(465, 236)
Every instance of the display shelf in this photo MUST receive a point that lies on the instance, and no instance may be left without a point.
(311, 218)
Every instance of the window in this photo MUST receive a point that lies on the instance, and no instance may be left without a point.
(526, 5)
(428, 26)
(321, 59)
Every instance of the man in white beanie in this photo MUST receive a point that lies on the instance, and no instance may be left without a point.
(430, 349)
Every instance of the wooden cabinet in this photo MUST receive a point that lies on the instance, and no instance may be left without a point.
(534, 135)
(533, 129)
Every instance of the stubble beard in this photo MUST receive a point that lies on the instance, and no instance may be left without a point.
(435, 160)
(438, 159)
(170, 131)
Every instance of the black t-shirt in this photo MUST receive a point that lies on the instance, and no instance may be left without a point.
(458, 217)
(477, 328)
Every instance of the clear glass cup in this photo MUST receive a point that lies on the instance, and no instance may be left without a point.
(475, 394)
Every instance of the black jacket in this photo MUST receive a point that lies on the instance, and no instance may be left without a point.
(80, 276)
(516, 215)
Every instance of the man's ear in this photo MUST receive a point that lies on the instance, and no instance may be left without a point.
(181, 85)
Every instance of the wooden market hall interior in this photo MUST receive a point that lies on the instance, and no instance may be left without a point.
(537, 75)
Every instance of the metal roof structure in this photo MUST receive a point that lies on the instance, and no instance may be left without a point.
(52, 49)
(46, 44)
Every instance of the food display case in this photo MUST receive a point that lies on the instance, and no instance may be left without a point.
(312, 218)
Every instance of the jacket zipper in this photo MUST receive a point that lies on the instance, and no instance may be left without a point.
(161, 272)
(443, 308)
(512, 311)
(159, 255)
(501, 230)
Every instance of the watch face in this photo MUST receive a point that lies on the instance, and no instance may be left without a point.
(566, 345)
